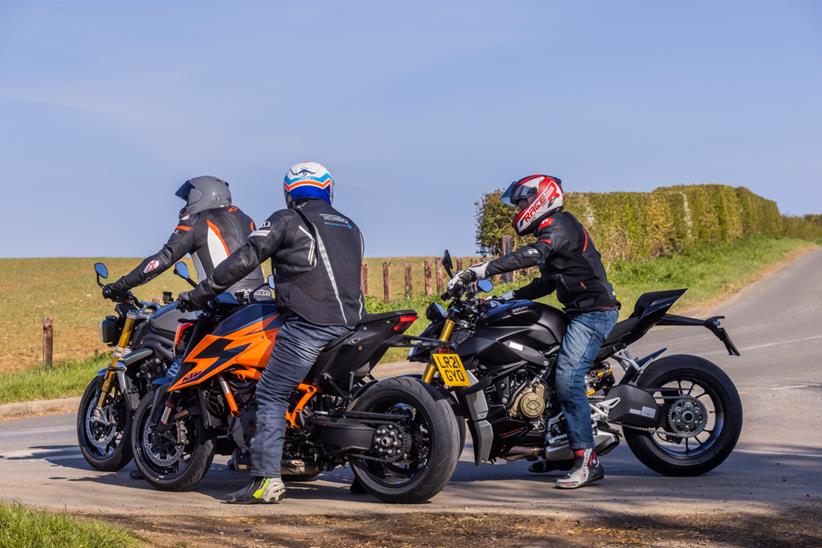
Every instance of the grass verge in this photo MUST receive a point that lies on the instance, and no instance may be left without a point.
(61, 380)
(24, 527)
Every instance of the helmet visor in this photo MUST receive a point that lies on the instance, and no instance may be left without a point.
(183, 191)
(519, 195)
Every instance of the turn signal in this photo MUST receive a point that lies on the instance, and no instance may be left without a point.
(178, 335)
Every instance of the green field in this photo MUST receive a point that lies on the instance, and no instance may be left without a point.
(22, 527)
(65, 289)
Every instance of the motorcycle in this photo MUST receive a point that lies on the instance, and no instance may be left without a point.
(681, 415)
(143, 337)
(399, 435)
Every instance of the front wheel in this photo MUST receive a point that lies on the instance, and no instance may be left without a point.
(103, 436)
(427, 442)
(702, 417)
(172, 457)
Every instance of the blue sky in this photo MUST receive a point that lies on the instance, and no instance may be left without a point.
(416, 107)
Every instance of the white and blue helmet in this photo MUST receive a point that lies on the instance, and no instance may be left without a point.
(308, 180)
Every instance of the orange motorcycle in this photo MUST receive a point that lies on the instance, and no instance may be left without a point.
(399, 435)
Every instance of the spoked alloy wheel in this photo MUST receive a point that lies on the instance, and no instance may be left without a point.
(418, 454)
(103, 436)
(702, 417)
(173, 457)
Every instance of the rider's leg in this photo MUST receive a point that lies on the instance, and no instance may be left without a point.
(298, 345)
(583, 338)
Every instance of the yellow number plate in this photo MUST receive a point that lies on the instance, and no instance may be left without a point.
(451, 369)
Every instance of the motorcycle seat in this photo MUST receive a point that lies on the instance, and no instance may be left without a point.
(620, 330)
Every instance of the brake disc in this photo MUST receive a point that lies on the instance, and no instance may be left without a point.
(100, 434)
(161, 449)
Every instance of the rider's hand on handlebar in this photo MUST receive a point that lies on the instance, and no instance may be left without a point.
(109, 292)
(184, 303)
(461, 279)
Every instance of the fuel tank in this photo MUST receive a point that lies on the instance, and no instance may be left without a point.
(166, 319)
(514, 331)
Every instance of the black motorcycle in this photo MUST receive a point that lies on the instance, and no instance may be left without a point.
(142, 335)
(681, 415)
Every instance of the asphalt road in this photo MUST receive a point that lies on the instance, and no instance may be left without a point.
(777, 466)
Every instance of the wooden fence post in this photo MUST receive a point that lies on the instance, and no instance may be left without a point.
(364, 278)
(438, 276)
(386, 282)
(427, 276)
(48, 342)
(409, 290)
(506, 244)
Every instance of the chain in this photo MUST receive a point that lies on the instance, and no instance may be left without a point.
(653, 430)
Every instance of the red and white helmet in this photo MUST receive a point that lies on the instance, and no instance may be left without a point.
(536, 197)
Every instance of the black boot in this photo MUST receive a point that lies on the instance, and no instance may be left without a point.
(136, 475)
(258, 491)
(356, 487)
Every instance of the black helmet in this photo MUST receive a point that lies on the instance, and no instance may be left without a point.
(204, 192)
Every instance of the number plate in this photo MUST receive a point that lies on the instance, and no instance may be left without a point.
(451, 369)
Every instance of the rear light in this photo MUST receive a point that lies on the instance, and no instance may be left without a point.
(178, 335)
(404, 323)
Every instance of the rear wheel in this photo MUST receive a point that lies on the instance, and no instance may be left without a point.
(103, 436)
(702, 417)
(173, 457)
(428, 442)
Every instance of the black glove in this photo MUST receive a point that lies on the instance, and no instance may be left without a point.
(112, 293)
(184, 303)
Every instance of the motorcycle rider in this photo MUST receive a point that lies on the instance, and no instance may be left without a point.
(315, 253)
(570, 264)
(209, 229)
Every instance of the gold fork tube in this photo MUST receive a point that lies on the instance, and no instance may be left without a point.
(445, 335)
(108, 379)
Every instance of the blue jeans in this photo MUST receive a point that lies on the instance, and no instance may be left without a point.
(580, 345)
(298, 345)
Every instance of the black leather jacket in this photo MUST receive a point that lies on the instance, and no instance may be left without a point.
(568, 262)
(316, 253)
(209, 237)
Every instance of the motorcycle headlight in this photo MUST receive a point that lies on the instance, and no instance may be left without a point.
(110, 330)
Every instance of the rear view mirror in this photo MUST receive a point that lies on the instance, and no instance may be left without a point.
(486, 286)
(181, 269)
(271, 281)
(101, 270)
(448, 264)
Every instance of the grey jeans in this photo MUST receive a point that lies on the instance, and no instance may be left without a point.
(298, 345)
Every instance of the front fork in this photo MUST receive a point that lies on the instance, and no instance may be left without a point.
(445, 335)
(111, 374)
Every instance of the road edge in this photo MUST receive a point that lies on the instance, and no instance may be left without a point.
(22, 409)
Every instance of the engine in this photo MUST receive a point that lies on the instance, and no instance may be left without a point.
(529, 403)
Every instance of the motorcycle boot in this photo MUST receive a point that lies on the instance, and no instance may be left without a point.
(258, 491)
(586, 470)
(240, 460)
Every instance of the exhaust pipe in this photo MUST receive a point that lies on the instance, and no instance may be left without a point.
(519, 452)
